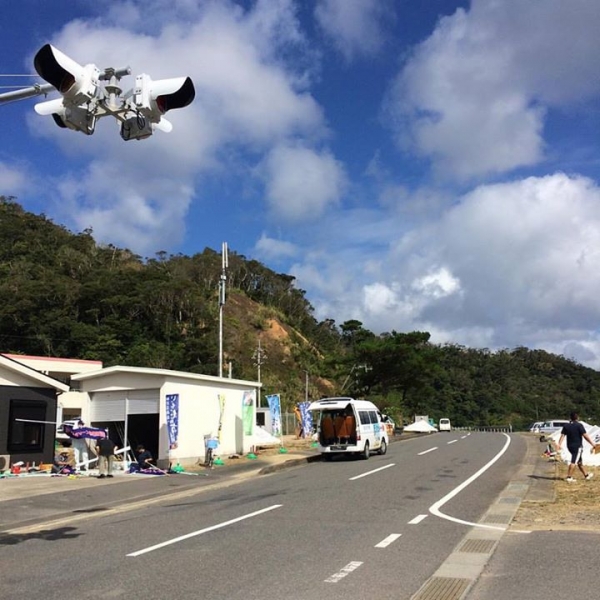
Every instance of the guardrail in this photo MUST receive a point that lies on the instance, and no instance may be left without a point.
(487, 428)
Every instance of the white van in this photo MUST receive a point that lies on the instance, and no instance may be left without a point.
(349, 426)
(445, 425)
(552, 426)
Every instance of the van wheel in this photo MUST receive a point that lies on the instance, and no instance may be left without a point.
(366, 452)
(383, 448)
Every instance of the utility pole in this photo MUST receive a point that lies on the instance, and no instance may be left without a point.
(259, 357)
(306, 387)
(222, 284)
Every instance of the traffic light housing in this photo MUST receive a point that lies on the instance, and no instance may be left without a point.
(88, 94)
(77, 118)
(77, 84)
(154, 98)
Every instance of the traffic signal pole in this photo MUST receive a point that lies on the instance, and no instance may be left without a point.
(35, 90)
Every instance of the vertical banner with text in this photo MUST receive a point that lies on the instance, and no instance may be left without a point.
(173, 420)
(275, 410)
(221, 414)
(248, 401)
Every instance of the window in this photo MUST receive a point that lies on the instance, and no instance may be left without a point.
(373, 416)
(26, 426)
(364, 417)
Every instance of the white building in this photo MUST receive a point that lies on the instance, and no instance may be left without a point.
(133, 403)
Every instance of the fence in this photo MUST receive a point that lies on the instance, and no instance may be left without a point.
(489, 428)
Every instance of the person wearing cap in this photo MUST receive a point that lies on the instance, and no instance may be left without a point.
(575, 433)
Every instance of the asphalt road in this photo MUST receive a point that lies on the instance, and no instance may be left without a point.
(340, 529)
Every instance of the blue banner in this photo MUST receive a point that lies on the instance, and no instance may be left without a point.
(275, 409)
(79, 433)
(173, 419)
(306, 419)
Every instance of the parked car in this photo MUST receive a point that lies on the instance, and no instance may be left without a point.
(535, 427)
(549, 427)
(349, 426)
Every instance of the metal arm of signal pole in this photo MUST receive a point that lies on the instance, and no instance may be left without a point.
(35, 90)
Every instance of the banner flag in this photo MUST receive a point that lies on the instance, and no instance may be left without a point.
(275, 409)
(248, 401)
(80, 433)
(306, 419)
(221, 413)
(173, 419)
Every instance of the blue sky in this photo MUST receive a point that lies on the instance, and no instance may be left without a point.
(415, 165)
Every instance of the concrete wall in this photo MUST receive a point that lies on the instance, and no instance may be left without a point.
(199, 413)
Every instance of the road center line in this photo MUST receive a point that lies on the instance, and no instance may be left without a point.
(452, 442)
(434, 509)
(427, 451)
(371, 472)
(352, 566)
(205, 530)
(417, 519)
(388, 540)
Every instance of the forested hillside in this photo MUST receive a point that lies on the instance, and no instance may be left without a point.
(62, 294)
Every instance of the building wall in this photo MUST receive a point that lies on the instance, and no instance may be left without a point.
(47, 398)
(199, 415)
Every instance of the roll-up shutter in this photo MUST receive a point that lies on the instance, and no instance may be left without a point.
(143, 402)
(111, 406)
(107, 406)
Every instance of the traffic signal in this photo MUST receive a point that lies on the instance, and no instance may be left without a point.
(88, 94)
(154, 98)
(78, 85)
(71, 117)
(150, 100)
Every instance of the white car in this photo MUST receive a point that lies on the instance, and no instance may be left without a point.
(552, 426)
(349, 426)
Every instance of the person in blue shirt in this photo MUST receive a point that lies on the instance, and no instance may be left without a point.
(575, 433)
(144, 458)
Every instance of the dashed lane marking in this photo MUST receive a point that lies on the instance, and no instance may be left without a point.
(427, 451)
(417, 519)
(371, 472)
(390, 539)
(205, 530)
(352, 566)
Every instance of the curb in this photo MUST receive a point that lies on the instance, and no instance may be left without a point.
(457, 575)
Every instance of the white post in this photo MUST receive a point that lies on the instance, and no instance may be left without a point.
(125, 434)
(222, 285)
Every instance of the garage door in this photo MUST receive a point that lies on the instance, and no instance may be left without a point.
(111, 406)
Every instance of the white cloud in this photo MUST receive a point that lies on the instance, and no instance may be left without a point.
(12, 179)
(250, 97)
(301, 183)
(506, 265)
(356, 27)
(272, 250)
(474, 95)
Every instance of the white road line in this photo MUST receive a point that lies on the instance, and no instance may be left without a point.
(417, 519)
(352, 566)
(388, 540)
(434, 509)
(373, 471)
(452, 442)
(205, 530)
(462, 437)
(427, 451)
